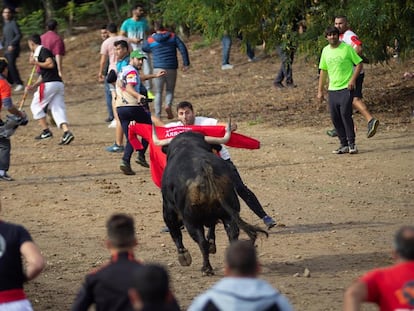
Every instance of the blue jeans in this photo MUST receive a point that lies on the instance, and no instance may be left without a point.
(108, 99)
(249, 50)
(285, 71)
(226, 46)
(169, 81)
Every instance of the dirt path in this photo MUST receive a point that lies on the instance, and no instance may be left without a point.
(340, 211)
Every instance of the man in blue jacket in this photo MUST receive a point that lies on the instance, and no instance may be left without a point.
(163, 45)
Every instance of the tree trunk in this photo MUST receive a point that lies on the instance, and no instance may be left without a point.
(108, 14)
(117, 15)
(48, 6)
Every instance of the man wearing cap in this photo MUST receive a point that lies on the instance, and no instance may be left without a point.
(131, 104)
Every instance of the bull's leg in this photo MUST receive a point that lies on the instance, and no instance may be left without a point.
(232, 229)
(174, 226)
(197, 234)
(211, 237)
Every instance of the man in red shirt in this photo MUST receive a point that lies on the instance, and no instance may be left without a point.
(7, 128)
(54, 43)
(391, 288)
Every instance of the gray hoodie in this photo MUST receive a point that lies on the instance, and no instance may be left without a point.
(242, 294)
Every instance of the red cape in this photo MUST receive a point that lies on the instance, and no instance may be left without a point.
(158, 159)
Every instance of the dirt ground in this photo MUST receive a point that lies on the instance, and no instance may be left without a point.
(339, 212)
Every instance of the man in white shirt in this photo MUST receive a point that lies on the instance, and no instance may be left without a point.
(186, 116)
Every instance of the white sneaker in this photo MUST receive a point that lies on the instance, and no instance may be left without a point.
(226, 67)
(19, 87)
(112, 125)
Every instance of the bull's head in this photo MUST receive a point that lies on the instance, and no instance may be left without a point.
(209, 139)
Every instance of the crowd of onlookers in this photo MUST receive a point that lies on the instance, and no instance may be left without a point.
(126, 283)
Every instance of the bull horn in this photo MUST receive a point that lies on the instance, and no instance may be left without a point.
(220, 140)
(156, 140)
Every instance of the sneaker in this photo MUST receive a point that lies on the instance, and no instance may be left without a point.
(226, 67)
(67, 138)
(112, 125)
(44, 135)
(6, 177)
(332, 133)
(126, 168)
(353, 149)
(278, 85)
(150, 95)
(269, 222)
(252, 60)
(341, 150)
(169, 112)
(141, 161)
(108, 119)
(372, 127)
(115, 148)
(19, 87)
(291, 85)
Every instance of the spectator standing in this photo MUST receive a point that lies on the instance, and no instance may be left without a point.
(391, 288)
(11, 46)
(8, 126)
(122, 53)
(54, 43)
(349, 37)
(106, 64)
(226, 43)
(108, 95)
(286, 54)
(49, 93)
(163, 45)
(110, 55)
(136, 28)
(337, 61)
(186, 116)
(107, 287)
(16, 244)
(240, 289)
(151, 290)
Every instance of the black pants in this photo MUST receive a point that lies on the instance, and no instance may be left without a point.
(245, 193)
(126, 114)
(14, 76)
(5, 148)
(340, 104)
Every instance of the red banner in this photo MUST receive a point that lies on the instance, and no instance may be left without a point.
(158, 158)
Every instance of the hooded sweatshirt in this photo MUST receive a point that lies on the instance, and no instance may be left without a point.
(241, 294)
(163, 46)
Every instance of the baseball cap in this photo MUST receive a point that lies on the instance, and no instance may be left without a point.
(137, 54)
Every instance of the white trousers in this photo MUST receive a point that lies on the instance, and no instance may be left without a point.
(53, 100)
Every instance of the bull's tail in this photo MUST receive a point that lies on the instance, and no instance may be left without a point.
(251, 230)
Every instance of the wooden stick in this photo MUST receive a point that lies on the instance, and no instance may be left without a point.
(25, 89)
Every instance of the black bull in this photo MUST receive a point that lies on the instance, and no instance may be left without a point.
(198, 191)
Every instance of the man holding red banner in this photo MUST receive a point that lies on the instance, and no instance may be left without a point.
(186, 116)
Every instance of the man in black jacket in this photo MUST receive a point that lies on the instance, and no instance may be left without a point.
(107, 287)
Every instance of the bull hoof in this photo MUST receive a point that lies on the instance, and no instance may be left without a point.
(207, 272)
(184, 258)
(212, 247)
